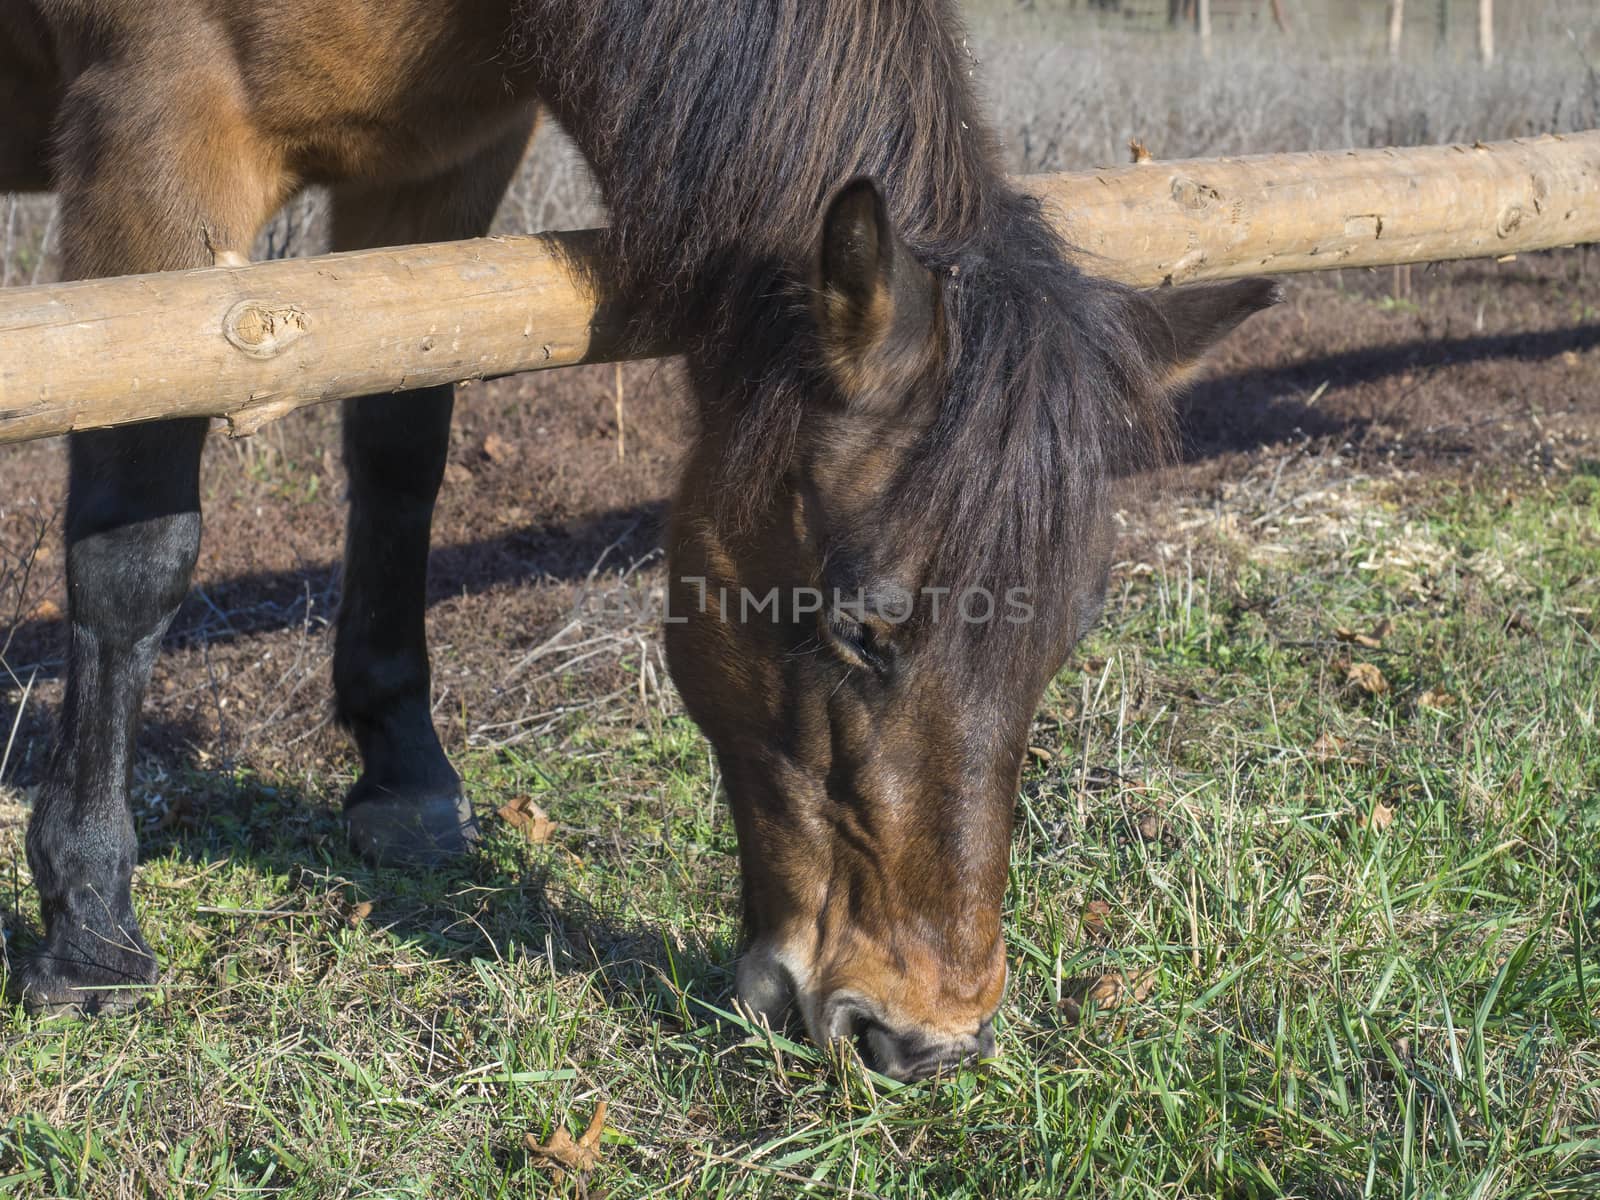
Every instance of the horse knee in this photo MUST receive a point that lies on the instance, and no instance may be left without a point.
(127, 580)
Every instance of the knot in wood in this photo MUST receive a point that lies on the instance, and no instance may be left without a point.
(262, 329)
(1194, 195)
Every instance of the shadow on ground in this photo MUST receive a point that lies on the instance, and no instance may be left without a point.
(1266, 405)
(499, 901)
(276, 600)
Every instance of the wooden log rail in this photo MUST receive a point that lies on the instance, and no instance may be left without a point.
(252, 343)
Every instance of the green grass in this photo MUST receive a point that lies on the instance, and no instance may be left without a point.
(1338, 1010)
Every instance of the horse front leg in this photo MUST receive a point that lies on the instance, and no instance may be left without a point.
(139, 192)
(408, 806)
(133, 530)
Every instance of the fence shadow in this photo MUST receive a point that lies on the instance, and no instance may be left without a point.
(267, 601)
(1226, 414)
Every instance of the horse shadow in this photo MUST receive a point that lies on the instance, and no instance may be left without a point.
(504, 901)
(1268, 405)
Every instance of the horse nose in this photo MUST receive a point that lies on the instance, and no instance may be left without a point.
(910, 1055)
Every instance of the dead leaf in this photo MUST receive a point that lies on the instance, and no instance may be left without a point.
(358, 913)
(563, 1154)
(497, 450)
(1040, 753)
(46, 610)
(1368, 678)
(1436, 699)
(523, 815)
(1328, 748)
(1106, 992)
(1151, 827)
(1570, 357)
(1380, 818)
(456, 474)
(1096, 914)
(1372, 640)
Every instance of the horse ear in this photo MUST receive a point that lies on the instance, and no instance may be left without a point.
(874, 302)
(1187, 321)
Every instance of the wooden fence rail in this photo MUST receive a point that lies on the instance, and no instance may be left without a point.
(252, 343)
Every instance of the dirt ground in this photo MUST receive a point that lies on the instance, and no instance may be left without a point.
(1450, 371)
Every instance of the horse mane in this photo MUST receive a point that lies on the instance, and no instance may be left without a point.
(719, 131)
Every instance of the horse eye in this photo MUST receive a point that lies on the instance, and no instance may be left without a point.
(857, 639)
(850, 631)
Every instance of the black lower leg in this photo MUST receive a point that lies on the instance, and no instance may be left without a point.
(133, 530)
(407, 807)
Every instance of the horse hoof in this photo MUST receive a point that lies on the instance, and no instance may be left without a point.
(53, 986)
(390, 830)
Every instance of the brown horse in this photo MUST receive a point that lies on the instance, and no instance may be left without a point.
(889, 533)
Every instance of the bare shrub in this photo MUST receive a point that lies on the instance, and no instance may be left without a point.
(1061, 104)
(27, 239)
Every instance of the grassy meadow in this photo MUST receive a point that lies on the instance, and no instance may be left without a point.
(1320, 794)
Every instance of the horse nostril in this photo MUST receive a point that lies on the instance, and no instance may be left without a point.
(848, 1020)
(868, 1035)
